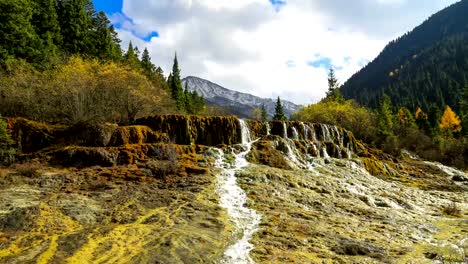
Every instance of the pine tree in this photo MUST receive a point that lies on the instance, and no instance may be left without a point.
(188, 101)
(264, 113)
(175, 85)
(17, 36)
(450, 122)
(46, 25)
(279, 111)
(464, 111)
(147, 65)
(101, 42)
(333, 93)
(74, 24)
(131, 57)
(385, 118)
(433, 118)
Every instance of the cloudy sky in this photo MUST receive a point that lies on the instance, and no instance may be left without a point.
(267, 48)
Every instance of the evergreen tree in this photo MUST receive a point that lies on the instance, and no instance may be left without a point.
(464, 111)
(101, 42)
(17, 36)
(433, 117)
(175, 85)
(74, 24)
(198, 103)
(148, 66)
(264, 113)
(188, 100)
(385, 118)
(279, 111)
(46, 25)
(333, 93)
(131, 57)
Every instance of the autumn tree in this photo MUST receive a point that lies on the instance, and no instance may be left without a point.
(422, 120)
(450, 122)
(257, 114)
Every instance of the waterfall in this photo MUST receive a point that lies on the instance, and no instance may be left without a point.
(245, 132)
(295, 134)
(316, 149)
(326, 133)
(285, 130)
(304, 127)
(233, 199)
(268, 129)
(325, 153)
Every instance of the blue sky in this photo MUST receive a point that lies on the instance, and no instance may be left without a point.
(108, 6)
(266, 47)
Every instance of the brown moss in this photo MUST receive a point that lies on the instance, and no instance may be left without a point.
(186, 130)
(31, 136)
(263, 152)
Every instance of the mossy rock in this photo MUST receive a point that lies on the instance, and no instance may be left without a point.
(31, 136)
(265, 153)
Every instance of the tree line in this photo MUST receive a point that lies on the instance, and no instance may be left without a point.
(436, 134)
(63, 53)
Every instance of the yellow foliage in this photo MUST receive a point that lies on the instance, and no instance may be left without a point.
(450, 121)
(82, 90)
(359, 120)
(420, 114)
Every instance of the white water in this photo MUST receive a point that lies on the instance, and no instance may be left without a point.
(325, 153)
(285, 130)
(233, 199)
(304, 127)
(295, 134)
(268, 129)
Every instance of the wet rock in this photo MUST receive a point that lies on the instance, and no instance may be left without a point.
(264, 152)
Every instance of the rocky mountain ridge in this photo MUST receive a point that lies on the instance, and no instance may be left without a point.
(241, 104)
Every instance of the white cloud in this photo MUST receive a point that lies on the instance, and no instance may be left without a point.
(247, 45)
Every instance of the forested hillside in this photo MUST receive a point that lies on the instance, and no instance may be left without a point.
(426, 67)
(61, 61)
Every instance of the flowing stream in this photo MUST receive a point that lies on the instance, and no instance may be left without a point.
(233, 199)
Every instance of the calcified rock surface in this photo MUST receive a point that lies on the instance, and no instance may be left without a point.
(340, 213)
(297, 193)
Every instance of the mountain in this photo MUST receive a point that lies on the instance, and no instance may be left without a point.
(426, 66)
(241, 104)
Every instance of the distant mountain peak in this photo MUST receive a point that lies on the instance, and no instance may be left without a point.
(241, 104)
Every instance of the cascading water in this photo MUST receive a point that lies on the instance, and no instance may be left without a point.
(295, 134)
(305, 128)
(233, 199)
(268, 129)
(285, 130)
